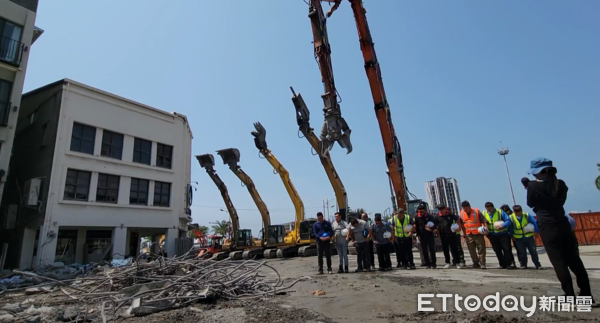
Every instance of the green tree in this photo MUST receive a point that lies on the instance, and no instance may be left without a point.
(221, 227)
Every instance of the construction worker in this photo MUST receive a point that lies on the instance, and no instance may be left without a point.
(382, 238)
(445, 221)
(461, 253)
(358, 228)
(523, 239)
(499, 227)
(425, 226)
(404, 240)
(474, 225)
(547, 196)
(508, 212)
(324, 232)
(365, 218)
(341, 241)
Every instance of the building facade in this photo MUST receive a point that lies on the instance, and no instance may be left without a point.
(17, 34)
(93, 173)
(444, 191)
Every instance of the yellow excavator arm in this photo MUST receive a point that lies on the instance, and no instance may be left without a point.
(303, 120)
(261, 144)
(207, 161)
(231, 158)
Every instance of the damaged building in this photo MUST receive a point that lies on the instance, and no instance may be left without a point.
(92, 174)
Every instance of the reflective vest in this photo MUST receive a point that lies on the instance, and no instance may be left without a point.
(399, 227)
(453, 222)
(518, 227)
(470, 221)
(495, 217)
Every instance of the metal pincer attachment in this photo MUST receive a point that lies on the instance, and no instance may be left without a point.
(335, 129)
(206, 161)
(260, 136)
(230, 156)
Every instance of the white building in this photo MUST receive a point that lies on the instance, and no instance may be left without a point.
(443, 191)
(17, 34)
(95, 170)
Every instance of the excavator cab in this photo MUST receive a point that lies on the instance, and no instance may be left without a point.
(275, 235)
(306, 229)
(244, 238)
(206, 161)
(260, 136)
(229, 155)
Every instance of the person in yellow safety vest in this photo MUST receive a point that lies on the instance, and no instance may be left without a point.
(403, 240)
(499, 226)
(508, 212)
(524, 240)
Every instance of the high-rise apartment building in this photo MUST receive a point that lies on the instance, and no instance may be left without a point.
(443, 191)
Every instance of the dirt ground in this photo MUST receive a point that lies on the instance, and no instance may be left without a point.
(387, 296)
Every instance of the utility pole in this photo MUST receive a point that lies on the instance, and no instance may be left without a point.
(503, 152)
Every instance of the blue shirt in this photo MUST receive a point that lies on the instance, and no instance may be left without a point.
(320, 228)
(506, 225)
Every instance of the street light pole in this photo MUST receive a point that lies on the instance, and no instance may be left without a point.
(503, 152)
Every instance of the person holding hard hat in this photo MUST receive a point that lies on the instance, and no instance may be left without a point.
(323, 233)
(425, 227)
(524, 227)
(359, 232)
(474, 226)
(382, 238)
(448, 225)
(509, 212)
(403, 228)
(341, 238)
(499, 227)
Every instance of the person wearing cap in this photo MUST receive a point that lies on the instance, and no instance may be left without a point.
(404, 239)
(341, 241)
(499, 227)
(370, 244)
(509, 212)
(323, 232)
(444, 222)
(382, 243)
(547, 196)
(357, 234)
(471, 222)
(425, 227)
(524, 240)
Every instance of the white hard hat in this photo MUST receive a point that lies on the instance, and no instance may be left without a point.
(482, 230)
(408, 228)
(454, 227)
(387, 235)
(529, 228)
(430, 224)
(344, 232)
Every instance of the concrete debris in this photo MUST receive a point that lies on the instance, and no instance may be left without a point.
(130, 288)
(318, 292)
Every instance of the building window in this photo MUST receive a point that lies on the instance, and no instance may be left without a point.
(11, 47)
(83, 138)
(5, 90)
(138, 193)
(162, 194)
(142, 149)
(77, 186)
(164, 154)
(108, 188)
(112, 144)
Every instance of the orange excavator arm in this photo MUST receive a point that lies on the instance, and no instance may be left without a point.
(393, 154)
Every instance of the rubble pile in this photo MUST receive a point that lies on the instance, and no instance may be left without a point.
(103, 292)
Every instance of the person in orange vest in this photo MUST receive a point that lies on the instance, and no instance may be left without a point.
(474, 226)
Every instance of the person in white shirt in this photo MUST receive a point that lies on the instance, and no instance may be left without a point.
(341, 241)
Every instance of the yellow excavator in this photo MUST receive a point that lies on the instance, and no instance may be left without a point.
(299, 240)
(240, 239)
(264, 246)
(303, 120)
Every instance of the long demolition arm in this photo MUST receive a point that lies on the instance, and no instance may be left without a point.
(303, 119)
(261, 144)
(393, 153)
(207, 161)
(231, 158)
(334, 126)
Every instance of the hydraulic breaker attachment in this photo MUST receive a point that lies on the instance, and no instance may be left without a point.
(260, 136)
(230, 156)
(206, 161)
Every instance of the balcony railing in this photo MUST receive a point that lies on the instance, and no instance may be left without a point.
(11, 51)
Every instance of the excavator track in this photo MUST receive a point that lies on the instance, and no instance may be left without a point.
(220, 256)
(236, 255)
(253, 254)
(287, 252)
(270, 253)
(307, 251)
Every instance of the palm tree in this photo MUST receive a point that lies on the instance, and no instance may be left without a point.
(221, 227)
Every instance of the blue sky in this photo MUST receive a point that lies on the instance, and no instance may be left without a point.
(460, 77)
